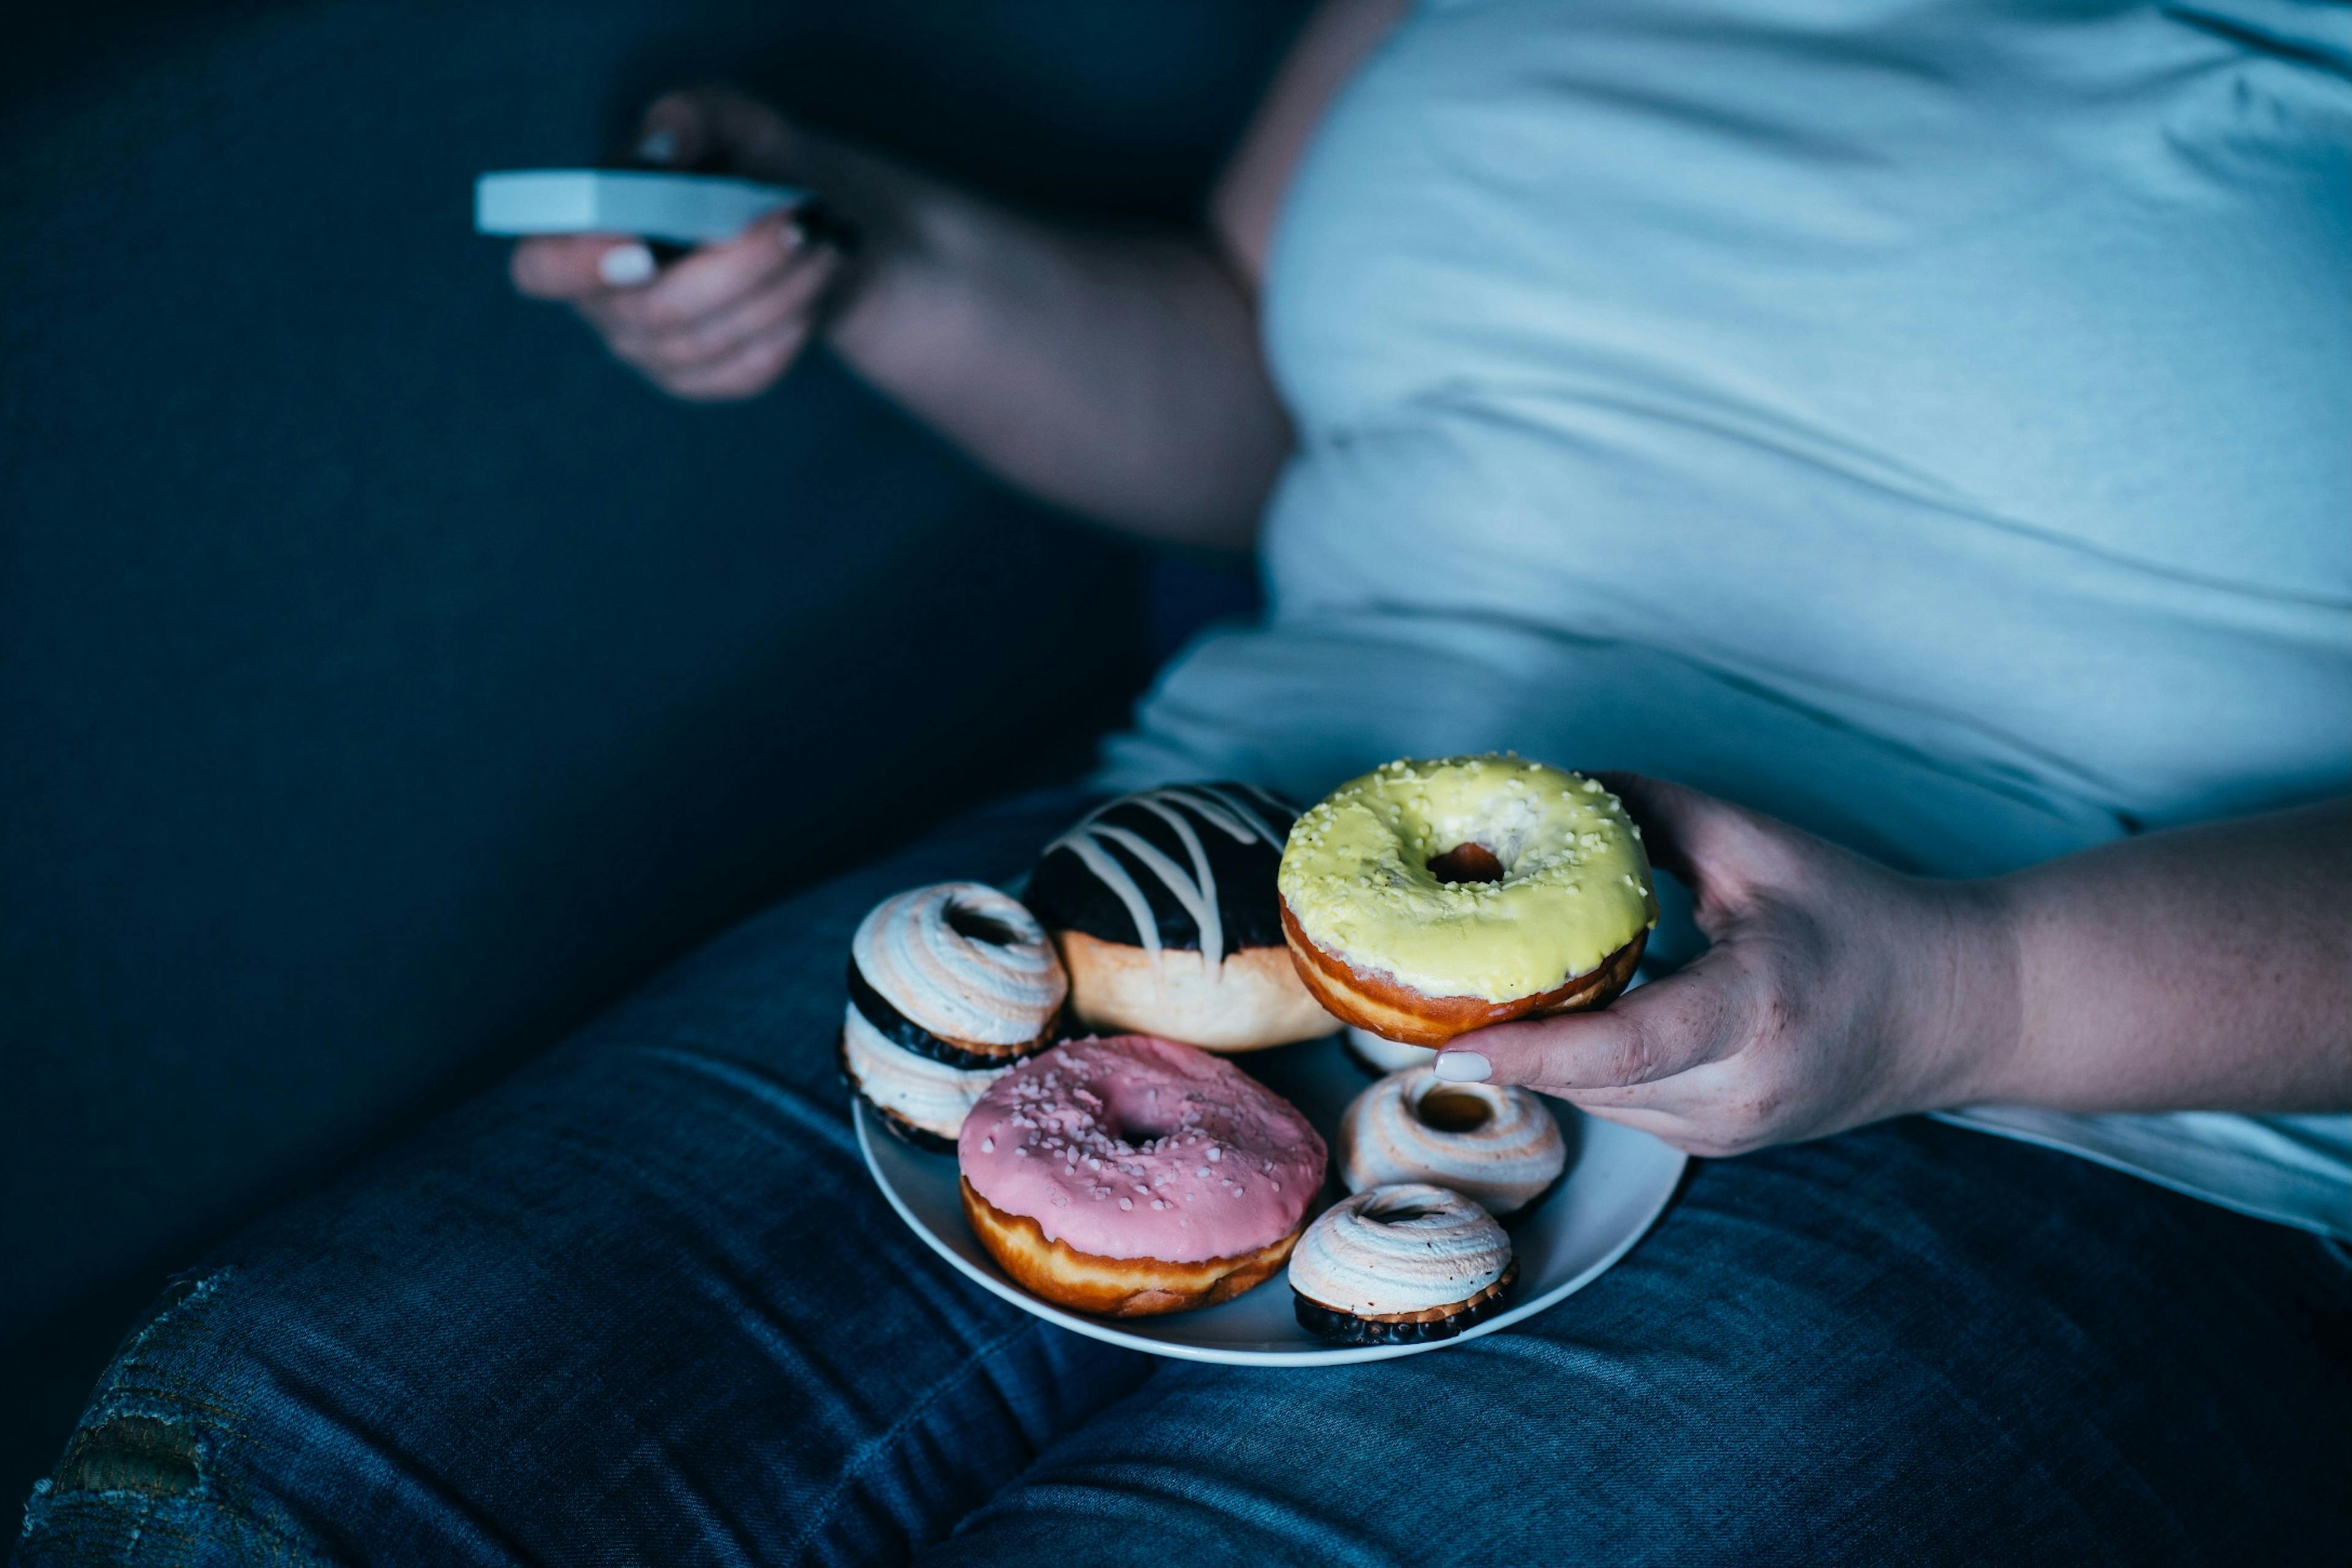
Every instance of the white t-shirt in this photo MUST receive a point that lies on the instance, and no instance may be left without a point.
(1930, 423)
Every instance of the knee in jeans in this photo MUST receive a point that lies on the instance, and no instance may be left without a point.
(142, 1472)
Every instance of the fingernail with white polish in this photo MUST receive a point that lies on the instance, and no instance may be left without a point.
(656, 147)
(626, 266)
(1463, 1066)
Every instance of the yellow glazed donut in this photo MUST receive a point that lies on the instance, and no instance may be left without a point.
(1428, 899)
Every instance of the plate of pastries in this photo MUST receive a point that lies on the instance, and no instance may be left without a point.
(1176, 1093)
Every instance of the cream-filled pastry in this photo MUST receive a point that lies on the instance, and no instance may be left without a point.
(1162, 905)
(949, 986)
(1399, 1264)
(1496, 1145)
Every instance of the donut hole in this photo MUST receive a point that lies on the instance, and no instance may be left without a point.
(1402, 1211)
(973, 926)
(1453, 1111)
(1136, 1125)
(1466, 863)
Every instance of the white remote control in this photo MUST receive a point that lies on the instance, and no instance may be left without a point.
(685, 209)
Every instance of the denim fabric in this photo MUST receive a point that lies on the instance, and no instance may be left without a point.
(389, 681)
(640, 1304)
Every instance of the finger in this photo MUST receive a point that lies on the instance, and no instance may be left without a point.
(748, 371)
(1658, 1124)
(1701, 1096)
(789, 300)
(1688, 1019)
(713, 280)
(579, 267)
(715, 125)
(1623, 1097)
(1704, 1112)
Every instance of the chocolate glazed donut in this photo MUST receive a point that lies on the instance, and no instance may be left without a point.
(1163, 907)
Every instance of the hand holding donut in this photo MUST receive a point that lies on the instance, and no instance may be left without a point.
(1835, 992)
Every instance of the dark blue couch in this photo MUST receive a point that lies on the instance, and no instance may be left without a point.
(386, 681)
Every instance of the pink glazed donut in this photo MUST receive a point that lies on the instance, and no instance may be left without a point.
(1133, 1176)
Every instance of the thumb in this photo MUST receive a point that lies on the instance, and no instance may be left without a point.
(1720, 851)
(1652, 1032)
(1681, 828)
(715, 128)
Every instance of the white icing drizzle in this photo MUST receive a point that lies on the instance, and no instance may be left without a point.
(1504, 1163)
(956, 986)
(1196, 892)
(1404, 1248)
(931, 1095)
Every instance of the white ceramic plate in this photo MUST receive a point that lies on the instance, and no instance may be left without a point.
(1617, 1184)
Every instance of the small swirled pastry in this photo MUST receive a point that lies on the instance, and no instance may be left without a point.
(1162, 905)
(1399, 1264)
(949, 986)
(1428, 899)
(1496, 1145)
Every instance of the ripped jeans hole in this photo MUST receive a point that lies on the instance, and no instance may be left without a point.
(131, 1453)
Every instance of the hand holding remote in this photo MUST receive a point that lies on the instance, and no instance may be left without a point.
(725, 322)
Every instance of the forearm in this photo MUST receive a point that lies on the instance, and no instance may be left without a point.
(2202, 968)
(1116, 374)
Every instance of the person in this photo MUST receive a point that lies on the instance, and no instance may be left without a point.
(1914, 431)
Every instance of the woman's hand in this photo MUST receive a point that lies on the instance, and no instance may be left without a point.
(726, 322)
(1836, 991)
(1113, 370)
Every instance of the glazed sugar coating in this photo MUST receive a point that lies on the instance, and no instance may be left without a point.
(1411, 1248)
(963, 961)
(1137, 1147)
(1575, 884)
(1496, 1145)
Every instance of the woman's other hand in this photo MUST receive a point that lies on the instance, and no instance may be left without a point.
(724, 322)
(1835, 992)
(1110, 369)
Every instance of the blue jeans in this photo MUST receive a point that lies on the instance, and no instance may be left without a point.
(641, 1304)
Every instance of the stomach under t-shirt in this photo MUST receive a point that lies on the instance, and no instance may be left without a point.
(1924, 425)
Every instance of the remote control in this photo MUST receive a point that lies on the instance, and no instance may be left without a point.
(685, 209)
